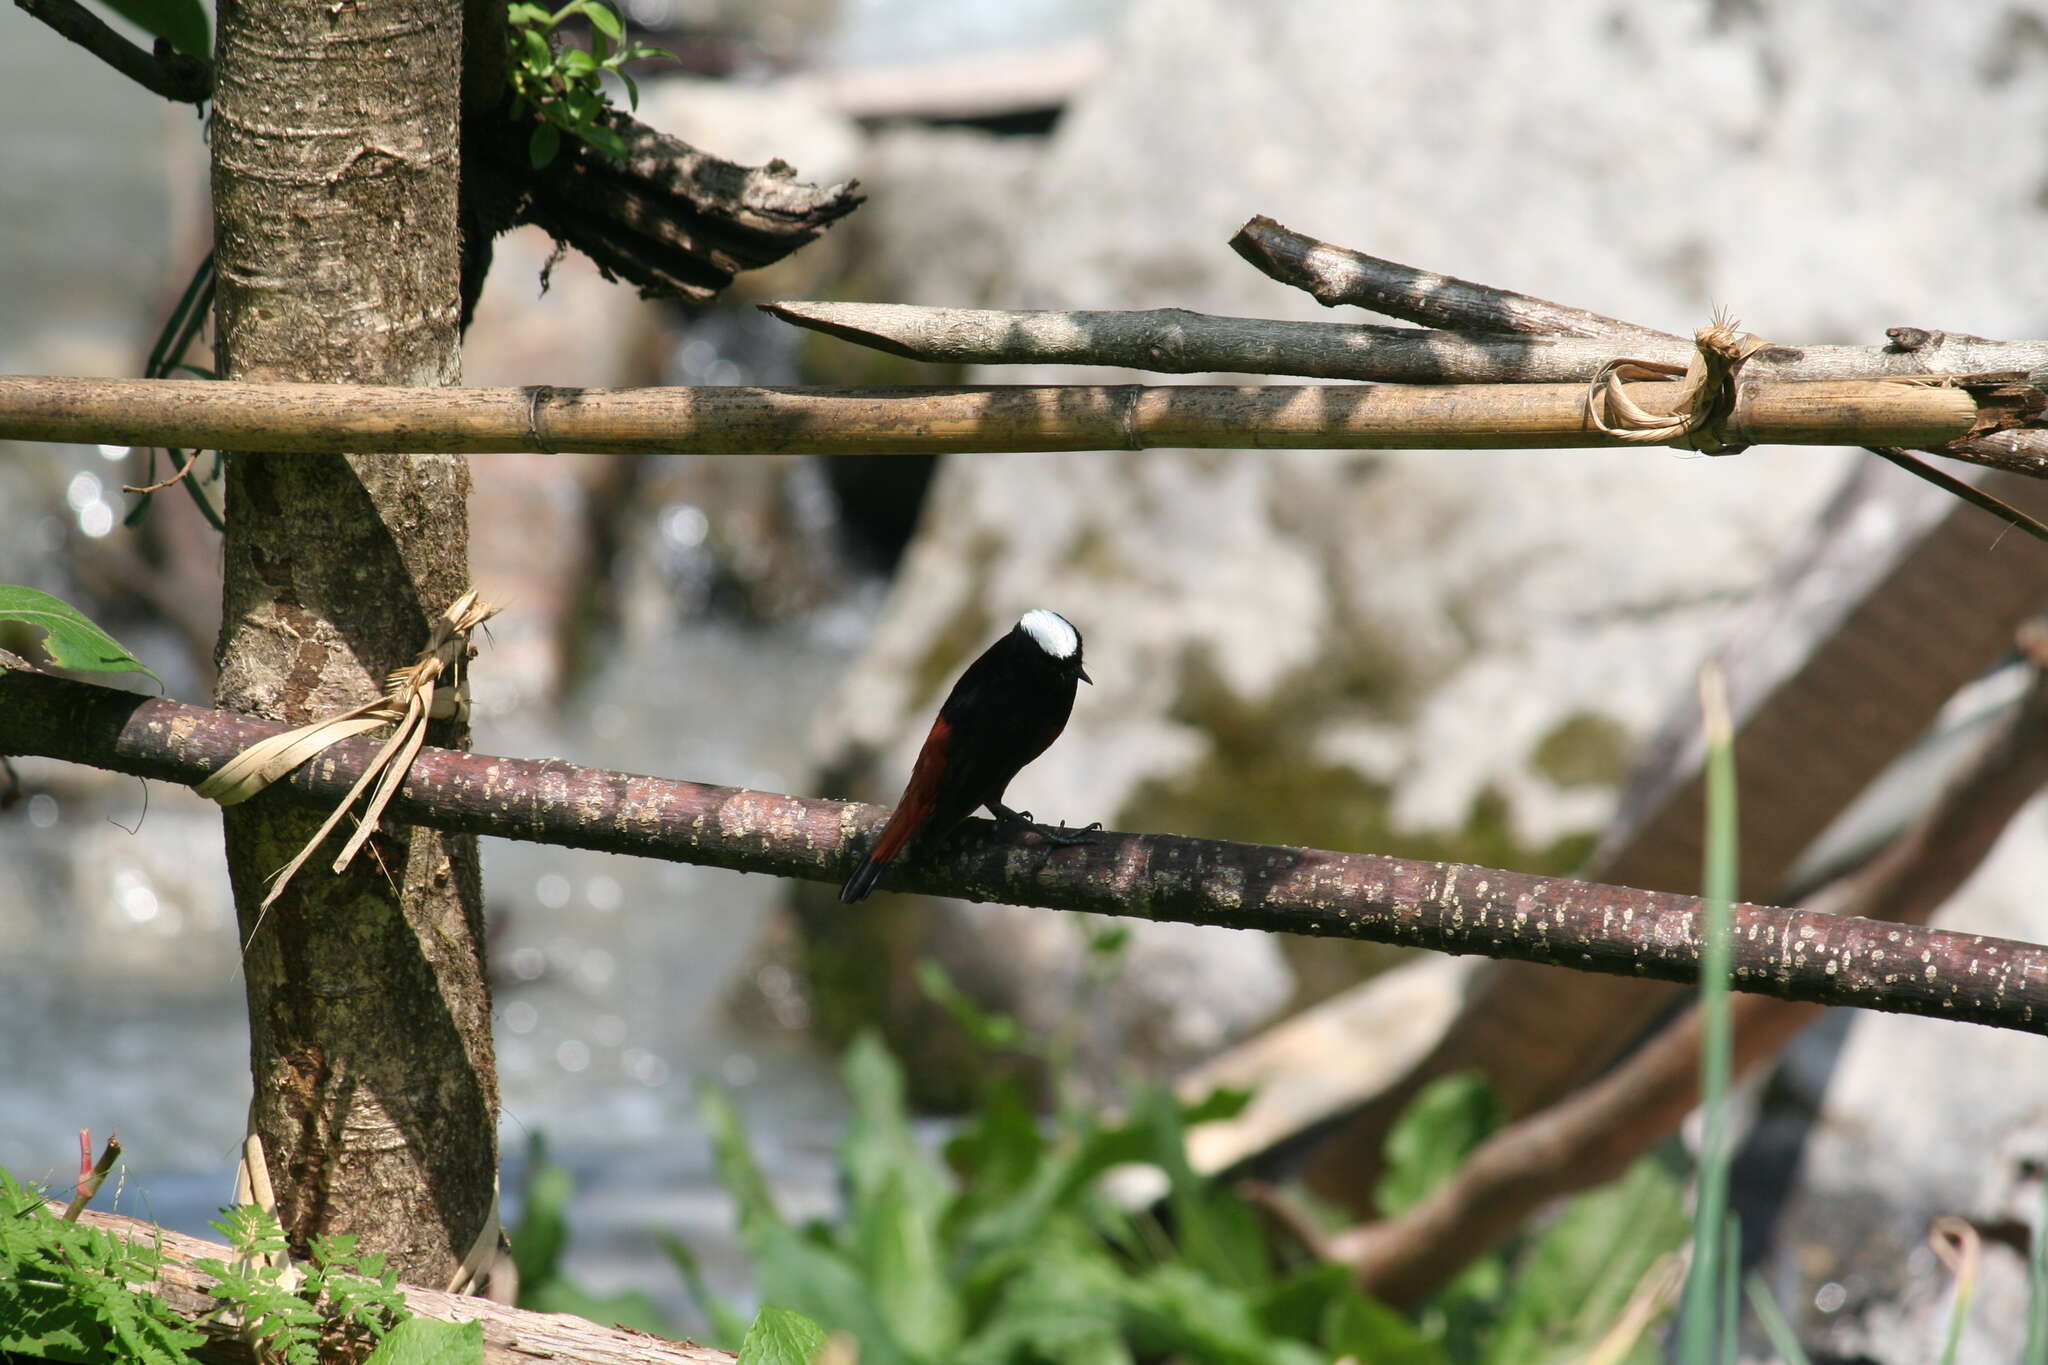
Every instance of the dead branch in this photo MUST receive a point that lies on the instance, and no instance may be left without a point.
(1336, 275)
(1177, 341)
(672, 220)
(512, 1336)
(1592, 1137)
(1792, 954)
(166, 72)
(367, 419)
(1340, 275)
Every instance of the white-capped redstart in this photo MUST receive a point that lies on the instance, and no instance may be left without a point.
(1007, 708)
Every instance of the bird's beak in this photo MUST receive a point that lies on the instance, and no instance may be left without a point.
(1082, 674)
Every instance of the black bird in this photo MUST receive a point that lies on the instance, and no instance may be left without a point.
(1007, 708)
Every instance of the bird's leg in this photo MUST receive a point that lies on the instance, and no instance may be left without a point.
(1005, 816)
(1061, 837)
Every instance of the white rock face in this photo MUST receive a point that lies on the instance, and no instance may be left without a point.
(1425, 621)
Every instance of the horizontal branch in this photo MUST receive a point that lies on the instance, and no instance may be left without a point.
(1177, 341)
(1793, 954)
(166, 72)
(364, 419)
(512, 1336)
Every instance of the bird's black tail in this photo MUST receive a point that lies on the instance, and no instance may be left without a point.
(863, 879)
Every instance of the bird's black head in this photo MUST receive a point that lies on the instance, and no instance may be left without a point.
(1054, 639)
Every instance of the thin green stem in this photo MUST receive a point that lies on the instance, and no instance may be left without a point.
(1704, 1297)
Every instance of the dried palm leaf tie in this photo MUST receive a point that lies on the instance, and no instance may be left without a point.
(1706, 392)
(252, 1186)
(474, 1274)
(432, 687)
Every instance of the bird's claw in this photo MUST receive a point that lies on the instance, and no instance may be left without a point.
(1059, 838)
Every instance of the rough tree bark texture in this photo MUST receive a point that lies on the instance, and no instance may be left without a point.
(335, 187)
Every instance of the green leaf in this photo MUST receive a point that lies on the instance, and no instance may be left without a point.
(576, 64)
(1108, 942)
(543, 1229)
(425, 1341)
(878, 1147)
(1433, 1136)
(1216, 1106)
(535, 51)
(897, 1247)
(1218, 1233)
(788, 1269)
(737, 1171)
(1572, 1284)
(726, 1324)
(541, 148)
(996, 1032)
(71, 1292)
(1369, 1330)
(997, 1154)
(523, 15)
(604, 20)
(1175, 1310)
(579, 108)
(780, 1337)
(605, 140)
(182, 23)
(1058, 1296)
(73, 641)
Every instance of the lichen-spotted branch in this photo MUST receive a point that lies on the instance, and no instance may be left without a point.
(1789, 953)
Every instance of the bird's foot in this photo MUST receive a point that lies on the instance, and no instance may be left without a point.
(1059, 838)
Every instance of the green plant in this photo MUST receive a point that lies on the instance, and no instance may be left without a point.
(2036, 1350)
(1708, 1325)
(288, 1312)
(1005, 1247)
(72, 640)
(540, 1238)
(71, 1292)
(780, 1337)
(77, 1293)
(563, 87)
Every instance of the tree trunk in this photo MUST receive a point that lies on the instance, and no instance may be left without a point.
(335, 184)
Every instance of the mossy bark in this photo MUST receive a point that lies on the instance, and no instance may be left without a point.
(335, 193)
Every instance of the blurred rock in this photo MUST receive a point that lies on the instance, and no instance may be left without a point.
(1439, 654)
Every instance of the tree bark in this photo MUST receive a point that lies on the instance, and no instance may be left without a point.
(334, 185)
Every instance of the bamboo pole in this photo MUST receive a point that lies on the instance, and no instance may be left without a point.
(367, 419)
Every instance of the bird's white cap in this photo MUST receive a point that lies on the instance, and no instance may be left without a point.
(1052, 632)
